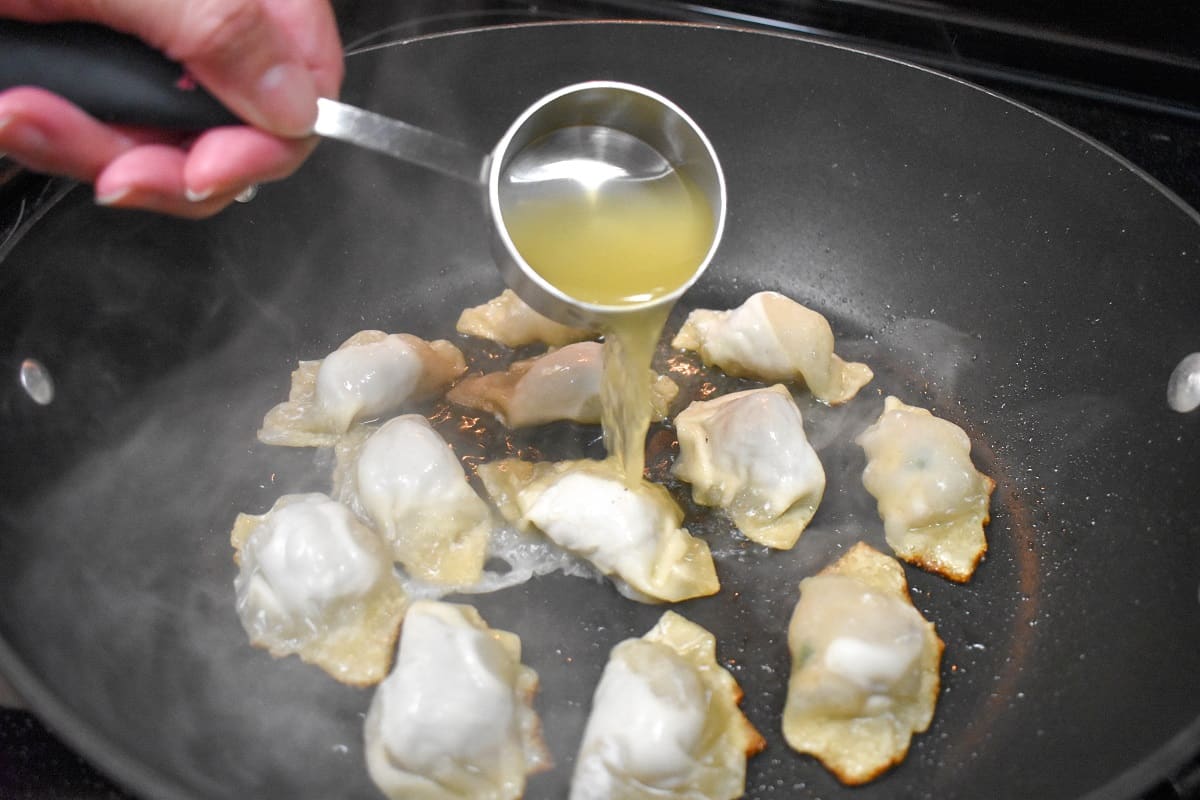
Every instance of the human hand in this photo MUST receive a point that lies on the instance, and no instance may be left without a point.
(266, 60)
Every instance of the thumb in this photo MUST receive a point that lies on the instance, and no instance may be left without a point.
(243, 56)
(238, 49)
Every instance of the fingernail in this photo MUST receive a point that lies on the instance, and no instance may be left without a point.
(198, 196)
(287, 100)
(20, 137)
(113, 196)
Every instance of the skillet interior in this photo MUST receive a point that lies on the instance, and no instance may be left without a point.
(1024, 283)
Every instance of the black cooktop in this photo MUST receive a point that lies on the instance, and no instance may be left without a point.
(1124, 77)
(1129, 80)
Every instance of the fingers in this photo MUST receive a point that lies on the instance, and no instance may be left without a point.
(313, 28)
(151, 177)
(267, 60)
(204, 179)
(234, 48)
(254, 55)
(226, 160)
(48, 134)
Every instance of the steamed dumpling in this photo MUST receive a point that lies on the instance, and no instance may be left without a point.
(747, 452)
(508, 320)
(773, 338)
(370, 376)
(631, 534)
(665, 722)
(864, 667)
(407, 481)
(454, 720)
(562, 385)
(316, 582)
(933, 501)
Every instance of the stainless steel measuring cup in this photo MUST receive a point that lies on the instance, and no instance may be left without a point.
(630, 133)
(616, 131)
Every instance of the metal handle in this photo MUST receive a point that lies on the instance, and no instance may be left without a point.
(400, 140)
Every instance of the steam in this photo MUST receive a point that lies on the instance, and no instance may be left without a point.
(139, 528)
(936, 354)
(128, 557)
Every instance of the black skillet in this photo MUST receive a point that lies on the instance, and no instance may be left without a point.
(1015, 277)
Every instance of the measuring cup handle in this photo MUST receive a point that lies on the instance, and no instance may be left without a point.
(114, 77)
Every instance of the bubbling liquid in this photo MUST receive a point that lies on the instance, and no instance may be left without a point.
(604, 218)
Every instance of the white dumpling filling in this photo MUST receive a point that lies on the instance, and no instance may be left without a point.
(372, 375)
(315, 581)
(409, 483)
(647, 716)
(665, 722)
(864, 667)
(561, 385)
(454, 719)
(773, 338)
(747, 453)
(508, 320)
(933, 502)
(866, 644)
(631, 534)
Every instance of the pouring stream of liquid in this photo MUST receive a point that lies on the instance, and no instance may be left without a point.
(607, 220)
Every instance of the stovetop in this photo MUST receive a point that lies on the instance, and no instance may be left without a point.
(1130, 84)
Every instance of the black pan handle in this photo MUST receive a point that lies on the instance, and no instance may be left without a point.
(114, 77)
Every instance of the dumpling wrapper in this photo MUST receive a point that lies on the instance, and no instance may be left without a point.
(865, 665)
(454, 720)
(370, 376)
(665, 722)
(632, 535)
(508, 320)
(933, 502)
(771, 337)
(561, 385)
(316, 582)
(747, 453)
(408, 482)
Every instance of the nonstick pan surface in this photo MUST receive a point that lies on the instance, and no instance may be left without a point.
(987, 262)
